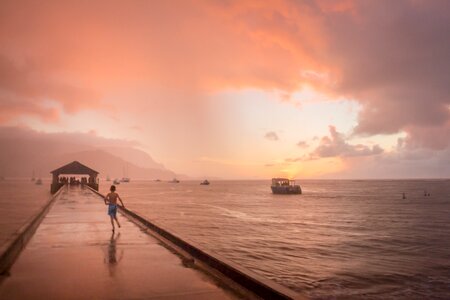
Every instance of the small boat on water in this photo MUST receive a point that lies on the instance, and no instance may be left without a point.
(285, 186)
(204, 182)
(125, 177)
(157, 180)
(174, 181)
(38, 181)
(116, 181)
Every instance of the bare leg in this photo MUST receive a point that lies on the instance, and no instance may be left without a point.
(118, 224)
(112, 223)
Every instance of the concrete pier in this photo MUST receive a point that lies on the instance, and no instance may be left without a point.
(75, 255)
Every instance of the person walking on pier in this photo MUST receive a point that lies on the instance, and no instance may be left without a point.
(111, 201)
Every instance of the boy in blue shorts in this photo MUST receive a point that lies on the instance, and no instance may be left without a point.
(111, 201)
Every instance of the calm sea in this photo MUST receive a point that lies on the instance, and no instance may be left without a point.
(340, 239)
(20, 200)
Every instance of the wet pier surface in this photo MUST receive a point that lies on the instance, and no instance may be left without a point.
(75, 255)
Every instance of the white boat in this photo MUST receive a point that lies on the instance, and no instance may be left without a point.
(39, 181)
(204, 182)
(174, 181)
(125, 177)
(116, 181)
(285, 186)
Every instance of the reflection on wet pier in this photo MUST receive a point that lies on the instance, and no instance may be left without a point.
(74, 255)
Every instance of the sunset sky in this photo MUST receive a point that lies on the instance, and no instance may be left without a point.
(239, 89)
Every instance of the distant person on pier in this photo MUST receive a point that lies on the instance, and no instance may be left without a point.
(111, 201)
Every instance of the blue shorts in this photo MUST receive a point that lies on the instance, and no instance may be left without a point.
(112, 210)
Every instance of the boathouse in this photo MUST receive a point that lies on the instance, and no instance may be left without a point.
(74, 168)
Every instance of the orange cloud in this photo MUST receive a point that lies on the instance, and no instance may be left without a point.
(392, 57)
(27, 90)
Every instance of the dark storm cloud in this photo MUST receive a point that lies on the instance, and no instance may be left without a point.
(394, 58)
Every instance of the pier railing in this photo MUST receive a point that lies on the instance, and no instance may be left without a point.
(250, 281)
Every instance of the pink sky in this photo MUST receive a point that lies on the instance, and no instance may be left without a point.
(239, 89)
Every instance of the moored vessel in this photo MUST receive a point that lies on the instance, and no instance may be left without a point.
(125, 177)
(285, 186)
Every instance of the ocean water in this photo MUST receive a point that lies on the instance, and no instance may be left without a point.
(20, 201)
(339, 240)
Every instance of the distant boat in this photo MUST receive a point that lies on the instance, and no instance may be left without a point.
(116, 181)
(204, 182)
(174, 181)
(285, 186)
(39, 181)
(158, 180)
(125, 177)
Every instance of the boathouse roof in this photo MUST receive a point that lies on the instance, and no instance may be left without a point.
(74, 167)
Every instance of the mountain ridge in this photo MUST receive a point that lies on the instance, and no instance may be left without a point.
(24, 151)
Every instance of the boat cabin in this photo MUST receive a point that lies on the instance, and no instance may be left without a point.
(282, 182)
